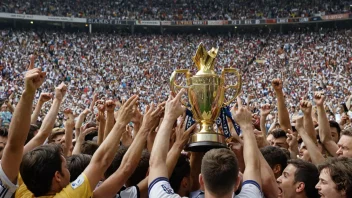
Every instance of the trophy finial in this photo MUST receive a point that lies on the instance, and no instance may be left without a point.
(204, 60)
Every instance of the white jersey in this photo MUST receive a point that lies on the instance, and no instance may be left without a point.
(161, 188)
(250, 189)
(7, 188)
(130, 192)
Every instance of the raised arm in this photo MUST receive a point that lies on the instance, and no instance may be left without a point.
(103, 157)
(264, 112)
(130, 161)
(80, 121)
(306, 108)
(44, 97)
(284, 117)
(20, 124)
(110, 119)
(69, 126)
(250, 148)
(324, 126)
(102, 121)
(348, 102)
(95, 99)
(49, 120)
(312, 148)
(157, 162)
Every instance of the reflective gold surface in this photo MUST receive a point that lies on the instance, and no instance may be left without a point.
(206, 96)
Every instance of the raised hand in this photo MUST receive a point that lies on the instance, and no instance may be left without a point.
(137, 116)
(34, 77)
(100, 105)
(152, 117)
(182, 136)
(291, 139)
(243, 116)
(110, 106)
(100, 116)
(277, 84)
(60, 91)
(265, 110)
(306, 107)
(174, 107)
(299, 124)
(45, 97)
(319, 98)
(86, 112)
(126, 111)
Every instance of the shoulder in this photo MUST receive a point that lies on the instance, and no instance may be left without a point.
(161, 188)
(7, 188)
(79, 187)
(250, 189)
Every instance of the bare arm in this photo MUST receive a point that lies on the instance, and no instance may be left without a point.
(110, 106)
(80, 121)
(284, 117)
(101, 128)
(20, 124)
(264, 112)
(44, 97)
(106, 152)
(270, 187)
(250, 147)
(306, 108)
(49, 120)
(348, 102)
(324, 126)
(69, 126)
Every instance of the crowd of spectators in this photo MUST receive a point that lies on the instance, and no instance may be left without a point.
(177, 9)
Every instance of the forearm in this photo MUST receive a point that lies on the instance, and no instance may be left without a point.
(348, 103)
(262, 125)
(284, 117)
(272, 126)
(18, 131)
(313, 150)
(77, 148)
(80, 121)
(270, 188)
(46, 128)
(309, 127)
(324, 126)
(172, 158)
(68, 140)
(101, 131)
(196, 163)
(109, 123)
(36, 112)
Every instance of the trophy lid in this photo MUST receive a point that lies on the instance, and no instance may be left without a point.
(205, 60)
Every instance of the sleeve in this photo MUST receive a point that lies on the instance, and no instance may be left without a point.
(78, 188)
(250, 189)
(161, 188)
(7, 188)
(131, 192)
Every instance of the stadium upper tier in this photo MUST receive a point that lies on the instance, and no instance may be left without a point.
(177, 9)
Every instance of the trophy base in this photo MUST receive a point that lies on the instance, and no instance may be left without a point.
(203, 142)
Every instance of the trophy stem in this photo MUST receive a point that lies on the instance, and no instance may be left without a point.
(207, 127)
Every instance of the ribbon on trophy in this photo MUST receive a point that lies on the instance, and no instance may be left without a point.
(220, 121)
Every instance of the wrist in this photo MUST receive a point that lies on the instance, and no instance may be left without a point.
(179, 146)
(28, 93)
(246, 126)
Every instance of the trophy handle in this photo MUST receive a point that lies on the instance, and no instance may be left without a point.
(237, 86)
(173, 77)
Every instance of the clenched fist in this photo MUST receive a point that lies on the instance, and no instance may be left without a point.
(60, 91)
(34, 77)
(277, 84)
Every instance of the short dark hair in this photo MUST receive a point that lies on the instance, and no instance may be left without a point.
(274, 155)
(31, 132)
(38, 168)
(336, 125)
(340, 170)
(182, 169)
(4, 132)
(220, 171)
(141, 171)
(76, 165)
(89, 147)
(116, 162)
(347, 132)
(278, 133)
(308, 174)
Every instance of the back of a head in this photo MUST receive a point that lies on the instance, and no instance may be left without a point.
(76, 165)
(182, 169)
(32, 130)
(38, 168)
(308, 174)
(219, 171)
(89, 147)
(278, 133)
(116, 162)
(4, 132)
(340, 170)
(274, 156)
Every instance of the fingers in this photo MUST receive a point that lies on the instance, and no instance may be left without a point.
(88, 131)
(31, 63)
(190, 130)
(179, 95)
(130, 100)
(239, 102)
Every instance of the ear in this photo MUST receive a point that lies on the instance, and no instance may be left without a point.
(201, 182)
(184, 182)
(238, 182)
(277, 168)
(57, 177)
(300, 186)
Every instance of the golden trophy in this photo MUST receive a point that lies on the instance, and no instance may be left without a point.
(206, 95)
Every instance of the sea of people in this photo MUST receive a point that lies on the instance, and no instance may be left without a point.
(177, 9)
(92, 115)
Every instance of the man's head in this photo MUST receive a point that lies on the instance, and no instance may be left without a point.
(335, 130)
(116, 162)
(298, 180)
(44, 170)
(279, 138)
(180, 179)
(219, 172)
(56, 135)
(335, 178)
(3, 140)
(345, 143)
(76, 165)
(89, 147)
(33, 130)
(141, 171)
(4, 107)
(276, 159)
